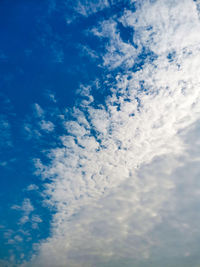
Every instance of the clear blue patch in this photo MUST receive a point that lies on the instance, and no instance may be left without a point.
(171, 56)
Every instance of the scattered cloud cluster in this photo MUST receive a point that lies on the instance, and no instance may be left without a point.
(26, 208)
(27, 211)
(38, 124)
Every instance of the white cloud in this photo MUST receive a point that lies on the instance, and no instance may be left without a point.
(36, 125)
(167, 32)
(5, 133)
(117, 178)
(26, 208)
(85, 50)
(36, 218)
(39, 112)
(51, 96)
(31, 132)
(47, 126)
(35, 221)
(169, 29)
(119, 53)
(86, 8)
(32, 187)
(129, 223)
(18, 238)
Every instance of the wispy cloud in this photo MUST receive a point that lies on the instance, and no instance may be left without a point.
(86, 8)
(5, 132)
(86, 51)
(32, 187)
(37, 125)
(39, 112)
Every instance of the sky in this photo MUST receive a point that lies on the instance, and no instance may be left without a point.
(100, 133)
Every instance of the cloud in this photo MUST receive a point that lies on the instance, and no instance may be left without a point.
(117, 182)
(118, 53)
(32, 187)
(39, 124)
(5, 263)
(166, 33)
(75, 9)
(169, 30)
(135, 222)
(26, 209)
(35, 221)
(86, 8)
(27, 206)
(5, 132)
(47, 126)
(39, 112)
(51, 96)
(87, 51)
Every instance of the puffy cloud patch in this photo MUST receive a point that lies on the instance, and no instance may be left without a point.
(32, 187)
(46, 126)
(26, 208)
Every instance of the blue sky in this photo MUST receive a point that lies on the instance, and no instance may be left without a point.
(99, 133)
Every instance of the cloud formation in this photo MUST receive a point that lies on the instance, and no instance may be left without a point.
(116, 178)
